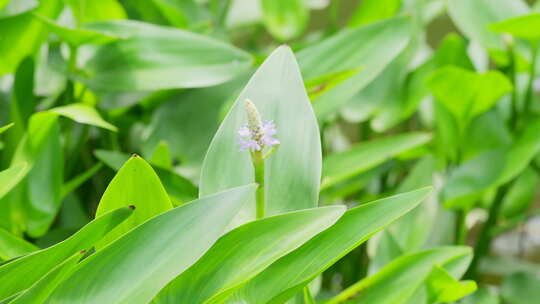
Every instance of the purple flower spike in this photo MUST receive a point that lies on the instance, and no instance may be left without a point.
(256, 135)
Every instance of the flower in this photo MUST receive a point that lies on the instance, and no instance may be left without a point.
(256, 135)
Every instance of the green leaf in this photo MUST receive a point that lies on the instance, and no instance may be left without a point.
(482, 296)
(520, 26)
(369, 11)
(26, 33)
(134, 184)
(41, 147)
(11, 246)
(467, 94)
(292, 272)
(444, 288)
(84, 114)
(138, 265)
(156, 57)
(473, 17)
(162, 156)
(521, 194)
(355, 48)
(10, 177)
(17, 7)
(521, 288)
(42, 289)
(292, 172)
(96, 10)
(21, 273)
(398, 281)
(285, 19)
(6, 127)
(179, 188)
(364, 156)
(491, 169)
(75, 36)
(225, 267)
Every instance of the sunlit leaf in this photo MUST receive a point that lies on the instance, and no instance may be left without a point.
(138, 265)
(21, 273)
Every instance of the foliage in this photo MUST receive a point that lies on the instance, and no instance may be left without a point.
(177, 151)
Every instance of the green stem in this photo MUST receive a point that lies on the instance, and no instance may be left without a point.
(512, 75)
(461, 228)
(258, 164)
(348, 293)
(532, 72)
(486, 234)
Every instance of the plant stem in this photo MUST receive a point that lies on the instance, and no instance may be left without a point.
(485, 237)
(461, 229)
(258, 164)
(532, 72)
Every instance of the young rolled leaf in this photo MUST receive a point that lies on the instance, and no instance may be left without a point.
(291, 273)
(156, 57)
(364, 156)
(138, 265)
(137, 184)
(239, 256)
(21, 273)
(292, 172)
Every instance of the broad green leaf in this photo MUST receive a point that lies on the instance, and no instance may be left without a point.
(369, 11)
(467, 94)
(10, 177)
(26, 33)
(364, 156)
(96, 10)
(491, 169)
(521, 194)
(521, 288)
(285, 19)
(6, 127)
(412, 231)
(355, 48)
(292, 272)
(75, 36)
(179, 188)
(226, 266)
(183, 14)
(12, 246)
(156, 57)
(41, 148)
(292, 172)
(134, 184)
(162, 156)
(16, 7)
(189, 110)
(521, 26)
(84, 114)
(40, 291)
(23, 272)
(400, 279)
(473, 17)
(138, 265)
(482, 296)
(444, 288)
